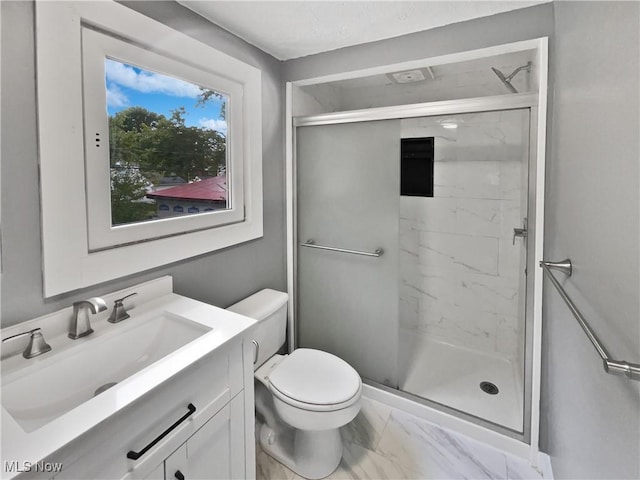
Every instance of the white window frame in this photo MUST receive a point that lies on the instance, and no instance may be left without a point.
(80, 246)
(96, 46)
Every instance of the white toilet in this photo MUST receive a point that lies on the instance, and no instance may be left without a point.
(302, 399)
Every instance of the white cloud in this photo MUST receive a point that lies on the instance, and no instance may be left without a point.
(115, 97)
(213, 124)
(148, 82)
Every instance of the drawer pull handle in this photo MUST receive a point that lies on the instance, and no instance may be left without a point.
(136, 455)
(179, 475)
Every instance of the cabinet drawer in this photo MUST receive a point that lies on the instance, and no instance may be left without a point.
(208, 385)
(214, 452)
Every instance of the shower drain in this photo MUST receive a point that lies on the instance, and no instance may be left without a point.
(488, 387)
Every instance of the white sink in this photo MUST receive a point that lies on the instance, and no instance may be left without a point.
(44, 390)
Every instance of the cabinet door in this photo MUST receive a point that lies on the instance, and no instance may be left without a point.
(157, 473)
(216, 451)
(176, 466)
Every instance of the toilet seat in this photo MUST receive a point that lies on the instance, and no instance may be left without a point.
(313, 407)
(316, 381)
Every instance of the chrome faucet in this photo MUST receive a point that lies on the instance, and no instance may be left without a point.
(37, 345)
(80, 324)
(119, 313)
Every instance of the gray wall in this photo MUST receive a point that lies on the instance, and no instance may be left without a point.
(218, 278)
(523, 24)
(592, 419)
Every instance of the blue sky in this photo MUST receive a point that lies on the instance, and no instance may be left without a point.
(129, 86)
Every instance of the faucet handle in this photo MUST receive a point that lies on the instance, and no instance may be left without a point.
(119, 313)
(125, 297)
(37, 345)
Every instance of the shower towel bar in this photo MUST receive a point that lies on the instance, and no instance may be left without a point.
(310, 243)
(615, 367)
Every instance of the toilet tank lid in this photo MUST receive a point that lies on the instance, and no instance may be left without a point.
(261, 304)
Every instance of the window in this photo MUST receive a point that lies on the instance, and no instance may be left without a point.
(150, 139)
(162, 119)
(161, 127)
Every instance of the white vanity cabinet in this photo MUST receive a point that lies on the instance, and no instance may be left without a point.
(196, 425)
(215, 451)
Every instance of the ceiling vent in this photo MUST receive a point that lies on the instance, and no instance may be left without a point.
(411, 76)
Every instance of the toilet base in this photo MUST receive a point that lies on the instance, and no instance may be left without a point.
(312, 454)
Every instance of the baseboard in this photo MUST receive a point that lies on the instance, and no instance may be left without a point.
(544, 465)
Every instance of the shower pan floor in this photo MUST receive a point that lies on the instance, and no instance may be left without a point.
(451, 375)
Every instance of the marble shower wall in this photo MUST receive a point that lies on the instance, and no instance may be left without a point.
(460, 274)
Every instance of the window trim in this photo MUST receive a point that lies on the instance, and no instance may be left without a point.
(96, 46)
(68, 263)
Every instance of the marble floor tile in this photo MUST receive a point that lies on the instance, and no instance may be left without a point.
(359, 463)
(427, 451)
(386, 443)
(366, 429)
(268, 468)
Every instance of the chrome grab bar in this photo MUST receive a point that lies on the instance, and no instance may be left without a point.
(615, 367)
(310, 243)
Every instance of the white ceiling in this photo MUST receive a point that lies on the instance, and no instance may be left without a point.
(292, 29)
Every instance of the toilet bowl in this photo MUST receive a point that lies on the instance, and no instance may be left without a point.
(312, 390)
(302, 399)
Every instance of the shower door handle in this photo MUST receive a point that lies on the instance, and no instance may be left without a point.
(520, 232)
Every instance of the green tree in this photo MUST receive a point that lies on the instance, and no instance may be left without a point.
(207, 94)
(145, 146)
(128, 188)
(163, 147)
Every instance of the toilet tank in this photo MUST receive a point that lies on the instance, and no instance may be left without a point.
(269, 308)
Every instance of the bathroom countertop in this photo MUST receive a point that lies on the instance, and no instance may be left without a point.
(31, 447)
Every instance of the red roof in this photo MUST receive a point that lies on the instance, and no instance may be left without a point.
(209, 189)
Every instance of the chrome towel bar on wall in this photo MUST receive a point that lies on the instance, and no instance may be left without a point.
(615, 367)
(310, 243)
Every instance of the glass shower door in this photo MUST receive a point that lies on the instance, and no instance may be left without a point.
(441, 315)
(348, 198)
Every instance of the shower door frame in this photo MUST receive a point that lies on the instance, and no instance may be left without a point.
(537, 105)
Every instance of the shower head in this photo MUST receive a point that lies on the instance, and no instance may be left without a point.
(507, 80)
(504, 80)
